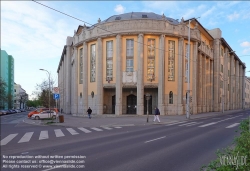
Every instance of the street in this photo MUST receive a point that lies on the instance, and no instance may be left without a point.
(184, 145)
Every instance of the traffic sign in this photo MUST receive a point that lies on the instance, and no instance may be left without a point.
(56, 96)
(56, 90)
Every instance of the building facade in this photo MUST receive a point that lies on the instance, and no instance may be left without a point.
(7, 75)
(20, 97)
(113, 64)
(247, 92)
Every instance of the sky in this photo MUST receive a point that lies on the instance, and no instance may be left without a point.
(35, 35)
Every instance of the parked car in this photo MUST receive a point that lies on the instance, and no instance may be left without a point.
(13, 111)
(3, 112)
(44, 115)
(23, 110)
(40, 110)
(9, 111)
(17, 110)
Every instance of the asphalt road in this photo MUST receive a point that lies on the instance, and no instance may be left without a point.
(173, 147)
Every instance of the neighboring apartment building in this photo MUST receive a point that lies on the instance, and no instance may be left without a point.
(247, 92)
(113, 64)
(20, 97)
(7, 74)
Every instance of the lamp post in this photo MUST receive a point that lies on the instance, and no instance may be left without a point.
(147, 98)
(49, 86)
(188, 75)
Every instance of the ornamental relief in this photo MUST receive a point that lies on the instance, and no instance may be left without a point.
(161, 26)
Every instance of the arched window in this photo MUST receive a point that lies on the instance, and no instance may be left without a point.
(171, 99)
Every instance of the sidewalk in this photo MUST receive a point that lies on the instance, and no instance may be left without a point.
(123, 120)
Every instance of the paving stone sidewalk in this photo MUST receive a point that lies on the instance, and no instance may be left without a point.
(123, 120)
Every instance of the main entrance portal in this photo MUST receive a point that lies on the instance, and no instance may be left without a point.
(131, 104)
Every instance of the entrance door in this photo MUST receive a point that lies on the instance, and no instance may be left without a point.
(149, 105)
(131, 104)
(113, 104)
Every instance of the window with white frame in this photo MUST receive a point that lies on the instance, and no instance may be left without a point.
(151, 59)
(109, 60)
(130, 55)
(92, 63)
(171, 54)
(80, 66)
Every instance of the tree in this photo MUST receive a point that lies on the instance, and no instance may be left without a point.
(33, 103)
(3, 94)
(22, 98)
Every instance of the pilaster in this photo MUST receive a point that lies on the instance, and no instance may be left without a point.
(216, 74)
(99, 78)
(85, 78)
(231, 83)
(161, 87)
(194, 80)
(237, 84)
(180, 77)
(204, 85)
(118, 90)
(68, 80)
(140, 79)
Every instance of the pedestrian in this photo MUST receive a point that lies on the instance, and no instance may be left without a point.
(89, 111)
(61, 110)
(157, 113)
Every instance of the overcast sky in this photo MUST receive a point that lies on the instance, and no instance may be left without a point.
(35, 35)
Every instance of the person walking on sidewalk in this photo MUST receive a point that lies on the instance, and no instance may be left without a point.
(157, 113)
(89, 111)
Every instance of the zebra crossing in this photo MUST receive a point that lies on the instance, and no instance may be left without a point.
(199, 124)
(57, 132)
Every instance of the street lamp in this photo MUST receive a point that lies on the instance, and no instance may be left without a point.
(147, 98)
(49, 86)
(188, 75)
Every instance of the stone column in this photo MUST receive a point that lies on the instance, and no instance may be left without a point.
(85, 78)
(75, 83)
(118, 90)
(216, 74)
(140, 77)
(240, 88)
(194, 80)
(204, 85)
(64, 82)
(180, 77)
(237, 84)
(208, 86)
(211, 85)
(243, 88)
(99, 78)
(161, 87)
(68, 80)
(231, 82)
(199, 80)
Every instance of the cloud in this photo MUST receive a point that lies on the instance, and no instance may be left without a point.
(246, 46)
(119, 9)
(233, 16)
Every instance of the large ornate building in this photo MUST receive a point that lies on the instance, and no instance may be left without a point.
(113, 64)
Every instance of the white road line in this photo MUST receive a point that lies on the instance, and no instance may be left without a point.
(208, 124)
(195, 123)
(118, 127)
(233, 125)
(175, 123)
(72, 131)
(154, 139)
(96, 129)
(7, 139)
(187, 123)
(43, 135)
(84, 130)
(26, 138)
(107, 128)
(59, 133)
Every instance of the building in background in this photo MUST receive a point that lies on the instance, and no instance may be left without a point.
(7, 75)
(20, 97)
(247, 92)
(113, 64)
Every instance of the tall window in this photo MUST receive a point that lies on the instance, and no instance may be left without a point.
(130, 55)
(92, 63)
(186, 63)
(151, 58)
(109, 62)
(80, 66)
(221, 68)
(171, 54)
(171, 99)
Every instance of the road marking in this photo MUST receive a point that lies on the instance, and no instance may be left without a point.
(96, 129)
(8, 139)
(187, 123)
(84, 130)
(43, 135)
(175, 123)
(233, 125)
(26, 137)
(154, 139)
(107, 128)
(226, 119)
(195, 123)
(208, 124)
(118, 127)
(59, 133)
(72, 131)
